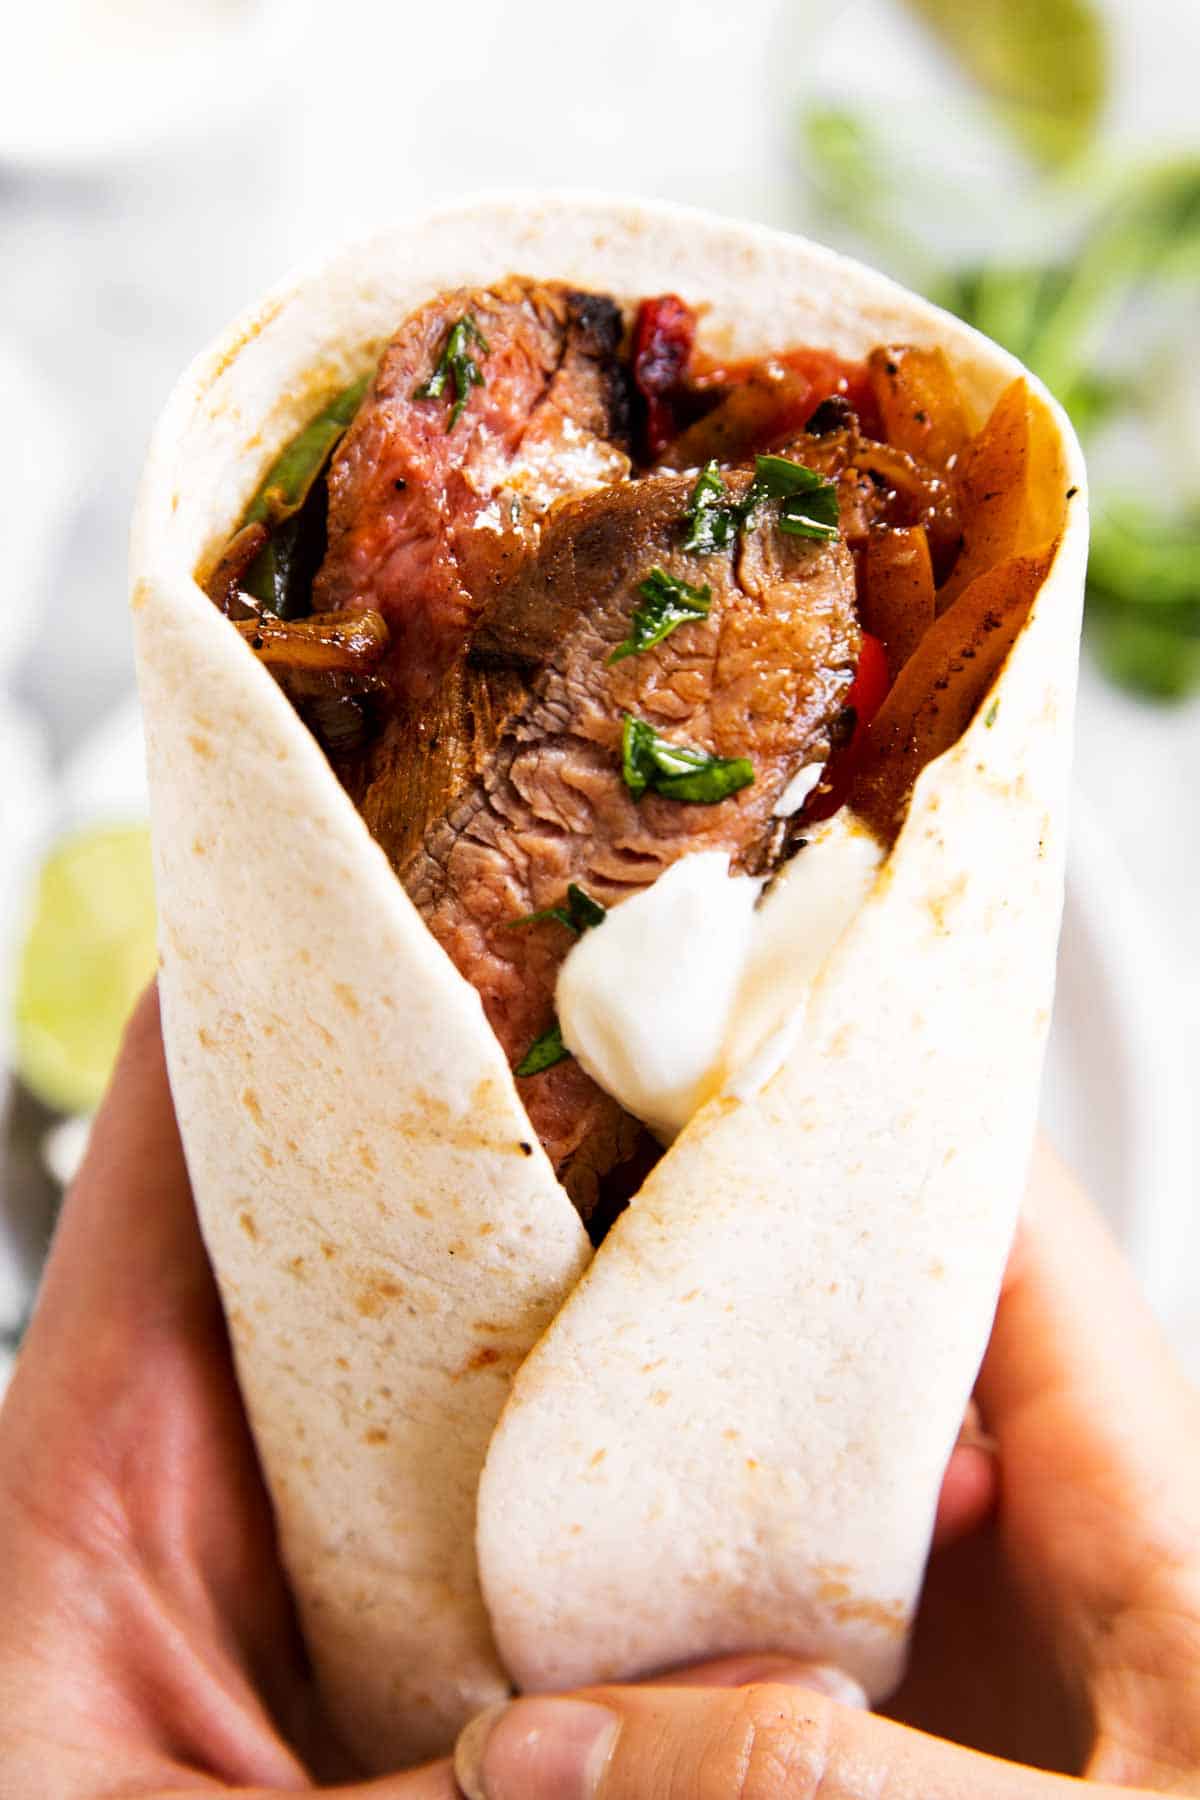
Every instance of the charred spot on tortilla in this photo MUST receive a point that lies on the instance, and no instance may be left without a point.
(566, 602)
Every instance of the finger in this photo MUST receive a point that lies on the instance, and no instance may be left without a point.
(125, 1441)
(764, 1742)
(968, 1489)
(433, 1782)
(128, 1250)
(1099, 1449)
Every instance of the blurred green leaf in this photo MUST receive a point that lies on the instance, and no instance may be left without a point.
(1065, 321)
(1043, 62)
(1144, 599)
(1142, 652)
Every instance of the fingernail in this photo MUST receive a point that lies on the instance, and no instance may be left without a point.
(536, 1750)
(819, 1678)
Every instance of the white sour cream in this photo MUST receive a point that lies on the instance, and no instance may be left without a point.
(693, 988)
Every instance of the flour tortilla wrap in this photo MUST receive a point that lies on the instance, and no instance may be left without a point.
(729, 1433)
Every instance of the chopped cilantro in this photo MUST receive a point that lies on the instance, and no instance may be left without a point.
(544, 1052)
(677, 771)
(666, 603)
(808, 502)
(713, 517)
(457, 367)
(579, 914)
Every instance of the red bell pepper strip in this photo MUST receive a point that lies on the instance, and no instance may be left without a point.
(663, 337)
(867, 693)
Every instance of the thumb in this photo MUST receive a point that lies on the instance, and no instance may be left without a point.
(765, 1742)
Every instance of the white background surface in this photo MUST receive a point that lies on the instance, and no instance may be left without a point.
(127, 242)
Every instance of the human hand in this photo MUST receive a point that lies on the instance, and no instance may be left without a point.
(147, 1645)
(1068, 1633)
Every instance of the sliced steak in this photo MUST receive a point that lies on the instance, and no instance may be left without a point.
(763, 676)
(428, 513)
(426, 756)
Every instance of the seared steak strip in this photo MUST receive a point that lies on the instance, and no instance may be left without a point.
(425, 522)
(762, 676)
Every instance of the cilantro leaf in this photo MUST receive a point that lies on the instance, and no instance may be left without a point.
(456, 367)
(808, 502)
(666, 603)
(678, 771)
(544, 1052)
(579, 914)
(713, 518)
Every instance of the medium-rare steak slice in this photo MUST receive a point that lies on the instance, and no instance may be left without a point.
(763, 676)
(488, 405)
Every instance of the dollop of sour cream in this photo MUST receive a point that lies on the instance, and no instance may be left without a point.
(696, 986)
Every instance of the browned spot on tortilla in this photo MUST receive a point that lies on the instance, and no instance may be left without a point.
(366, 1157)
(937, 1269)
(434, 1121)
(241, 1331)
(486, 1357)
(141, 596)
(201, 745)
(649, 1368)
(486, 1325)
(246, 1221)
(375, 1435)
(943, 905)
(328, 1251)
(246, 336)
(267, 1155)
(751, 1462)
(660, 1396)
(199, 847)
(304, 956)
(598, 1458)
(205, 1037)
(833, 1590)
(295, 1266)
(421, 1210)
(250, 1102)
(342, 1363)
(486, 1229)
(347, 996)
(889, 1615)
(839, 1043)
(376, 1294)
(385, 1393)
(694, 1295)
(731, 1435)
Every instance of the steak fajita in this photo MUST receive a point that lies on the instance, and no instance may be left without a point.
(607, 675)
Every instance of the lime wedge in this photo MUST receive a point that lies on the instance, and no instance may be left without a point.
(89, 953)
(1044, 63)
